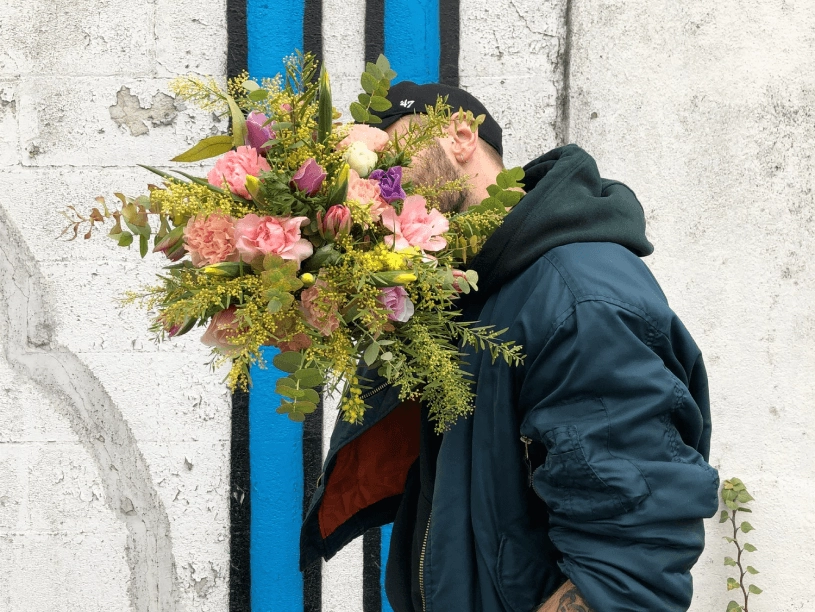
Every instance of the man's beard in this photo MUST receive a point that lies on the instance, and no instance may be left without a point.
(435, 169)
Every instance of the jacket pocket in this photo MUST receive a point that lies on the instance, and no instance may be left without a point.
(580, 477)
(525, 570)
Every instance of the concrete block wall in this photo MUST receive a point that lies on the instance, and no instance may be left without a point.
(114, 452)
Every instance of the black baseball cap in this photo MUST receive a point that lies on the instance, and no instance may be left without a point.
(408, 98)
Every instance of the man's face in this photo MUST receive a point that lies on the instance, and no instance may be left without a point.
(436, 165)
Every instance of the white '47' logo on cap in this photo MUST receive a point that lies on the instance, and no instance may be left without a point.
(406, 103)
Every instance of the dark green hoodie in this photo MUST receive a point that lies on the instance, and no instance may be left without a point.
(588, 462)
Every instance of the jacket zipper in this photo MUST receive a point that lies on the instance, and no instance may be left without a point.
(373, 392)
(421, 562)
(526, 442)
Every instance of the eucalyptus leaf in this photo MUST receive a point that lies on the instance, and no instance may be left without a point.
(305, 407)
(309, 377)
(380, 104)
(374, 71)
(289, 361)
(259, 95)
(369, 82)
(310, 395)
(297, 417)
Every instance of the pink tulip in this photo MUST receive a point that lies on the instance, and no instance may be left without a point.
(337, 222)
(258, 132)
(309, 177)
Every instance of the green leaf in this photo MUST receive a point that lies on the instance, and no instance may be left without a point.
(310, 395)
(309, 377)
(371, 353)
(754, 590)
(144, 245)
(125, 239)
(742, 509)
(746, 527)
(731, 504)
(289, 361)
(238, 123)
(285, 407)
(730, 540)
(250, 85)
(369, 82)
(325, 110)
(259, 95)
(380, 104)
(382, 63)
(358, 112)
(744, 497)
(734, 607)
(752, 570)
(305, 407)
(297, 417)
(749, 547)
(285, 382)
(291, 393)
(373, 119)
(732, 583)
(723, 516)
(729, 561)
(374, 71)
(206, 148)
(141, 230)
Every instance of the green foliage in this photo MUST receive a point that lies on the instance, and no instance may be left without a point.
(734, 495)
(208, 147)
(375, 81)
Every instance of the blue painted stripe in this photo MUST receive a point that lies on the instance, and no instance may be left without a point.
(276, 468)
(275, 30)
(385, 547)
(412, 39)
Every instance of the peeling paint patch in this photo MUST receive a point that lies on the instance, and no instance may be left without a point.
(128, 112)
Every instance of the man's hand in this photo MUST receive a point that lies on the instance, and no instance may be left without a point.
(566, 599)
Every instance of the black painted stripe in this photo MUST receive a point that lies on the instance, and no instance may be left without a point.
(240, 507)
(313, 27)
(374, 29)
(372, 571)
(237, 48)
(312, 468)
(450, 41)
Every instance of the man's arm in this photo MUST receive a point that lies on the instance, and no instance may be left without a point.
(566, 599)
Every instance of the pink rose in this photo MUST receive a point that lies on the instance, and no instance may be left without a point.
(397, 301)
(415, 226)
(337, 222)
(256, 236)
(233, 167)
(298, 342)
(373, 138)
(366, 191)
(309, 177)
(317, 311)
(210, 239)
(222, 330)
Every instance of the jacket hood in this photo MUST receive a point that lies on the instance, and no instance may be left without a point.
(566, 201)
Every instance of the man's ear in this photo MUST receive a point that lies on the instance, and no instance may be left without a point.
(465, 139)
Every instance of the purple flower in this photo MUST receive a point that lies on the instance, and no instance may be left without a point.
(390, 183)
(397, 301)
(309, 177)
(257, 132)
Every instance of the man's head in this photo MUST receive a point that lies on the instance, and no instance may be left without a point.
(465, 151)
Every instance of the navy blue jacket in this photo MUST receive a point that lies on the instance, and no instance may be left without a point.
(588, 462)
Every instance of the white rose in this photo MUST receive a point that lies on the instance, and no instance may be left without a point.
(360, 158)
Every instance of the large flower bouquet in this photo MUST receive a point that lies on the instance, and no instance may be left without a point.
(304, 235)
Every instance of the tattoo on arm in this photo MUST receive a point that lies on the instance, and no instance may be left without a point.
(571, 601)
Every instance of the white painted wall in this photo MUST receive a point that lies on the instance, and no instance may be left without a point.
(114, 452)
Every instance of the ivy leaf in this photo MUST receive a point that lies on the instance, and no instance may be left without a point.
(752, 570)
(749, 547)
(746, 527)
(754, 590)
(744, 497)
(734, 607)
(724, 516)
(208, 147)
(732, 583)
(729, 561)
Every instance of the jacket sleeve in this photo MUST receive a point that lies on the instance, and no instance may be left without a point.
(624, 480)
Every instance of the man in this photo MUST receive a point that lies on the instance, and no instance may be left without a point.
(581, 480)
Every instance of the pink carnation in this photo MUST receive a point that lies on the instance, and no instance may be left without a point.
(415, 226)
(318, 312)
(257, 236)
(373, 138)
(210, 239)
(233, 167)
(366, 191)
(222, 331)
